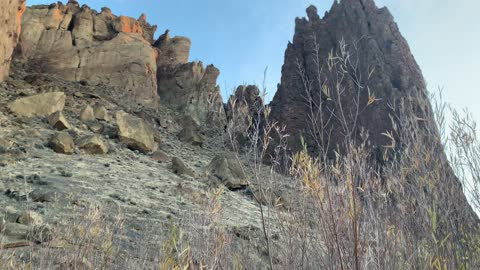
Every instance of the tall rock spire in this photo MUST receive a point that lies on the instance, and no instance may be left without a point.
(379, 56)
(351, 73)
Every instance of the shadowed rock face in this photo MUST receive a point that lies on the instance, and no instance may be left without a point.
(383, 79)
(244, 111)
(10, 18)
(192, 90)
(386, 69)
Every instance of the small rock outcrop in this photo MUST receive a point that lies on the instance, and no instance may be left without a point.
(39, 105)
(135, 133)
(10, 26)
(192, 90)
(227, 170)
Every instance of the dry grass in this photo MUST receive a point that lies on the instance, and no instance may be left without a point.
(341, 211)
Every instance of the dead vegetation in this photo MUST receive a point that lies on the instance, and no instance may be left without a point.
(347, 206)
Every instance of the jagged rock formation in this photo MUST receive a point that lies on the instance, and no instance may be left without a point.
(81, 44)
(352, 71)
(191, 89)
(10, 26)
(244, 110)
(246, 97)
(172, 51)
(372, 37)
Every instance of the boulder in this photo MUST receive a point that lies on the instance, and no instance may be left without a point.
(58, 121)
(191, 135)
(10, 26)
(30, 218)
(39, 105)
(10, 214)
(227, 170)
(179, 168)
(135, 133)
(101, 113)
(62, 143)
(95, 126)
(87, 114)
(192, 90)
(93, 145)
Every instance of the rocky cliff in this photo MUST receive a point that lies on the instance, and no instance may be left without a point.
(113, 146)
(78, 43)
(10, 17)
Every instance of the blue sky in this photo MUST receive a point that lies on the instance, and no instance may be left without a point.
(242, 38)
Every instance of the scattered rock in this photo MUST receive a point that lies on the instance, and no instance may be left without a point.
(87, 114)
(227, 170)
(180, 168)
(92, 145)
(135, 133)
(101, 113)
(10, 214)
(191, 135)
(39, 105)
(57, 120)
(42, 196)
(95, 126)
(62, 143)
(160, 156)
(30, 218)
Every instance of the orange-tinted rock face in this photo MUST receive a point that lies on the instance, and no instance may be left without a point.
(20, 10)
(78, 43)
(127, 25)
(10, 27)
